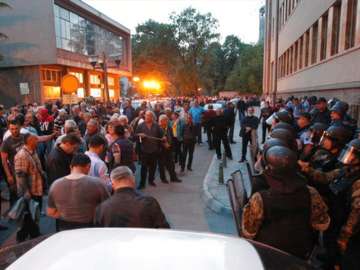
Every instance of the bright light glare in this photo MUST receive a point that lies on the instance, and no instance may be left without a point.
(136, 79)
(152, 85)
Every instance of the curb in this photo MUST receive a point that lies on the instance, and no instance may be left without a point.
(209, 199)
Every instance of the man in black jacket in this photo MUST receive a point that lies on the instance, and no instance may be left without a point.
(219, 125)
(127, 207)
(59, 159)
(249, 126)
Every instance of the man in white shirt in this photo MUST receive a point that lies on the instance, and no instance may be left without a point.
(98, 167)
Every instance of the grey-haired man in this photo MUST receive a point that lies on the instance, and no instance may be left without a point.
(128, 207)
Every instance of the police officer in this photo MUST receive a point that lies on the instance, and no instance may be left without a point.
(286, 215)
(330, 145)
(343, 236)
(316, 132)
(339, 116)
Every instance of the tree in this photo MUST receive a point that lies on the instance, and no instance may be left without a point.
(247, 73)
(3, 36)
(193, 32)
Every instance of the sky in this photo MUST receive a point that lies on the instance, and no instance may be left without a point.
(236, 17)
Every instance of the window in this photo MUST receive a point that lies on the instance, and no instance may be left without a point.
(51, 92)
(94, 79)
(78, 75)
(51, 76)
(315, 35)
(350, 24)
(324, 30)
(78, 35)
(291, 62)
(335, 35)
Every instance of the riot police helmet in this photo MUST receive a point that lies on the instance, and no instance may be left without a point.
(283, 116)
(340, 107)
(332, 102)
(317, 129)
(350, 155)
(280, 159)
(285, 135)
(283, 125)
(338, 135)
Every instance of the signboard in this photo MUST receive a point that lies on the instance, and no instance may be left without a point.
(69, 84)
(24, 88)
(70, 99)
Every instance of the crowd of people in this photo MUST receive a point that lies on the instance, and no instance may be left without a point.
(84, 158)
(79, 155)
(307, 192)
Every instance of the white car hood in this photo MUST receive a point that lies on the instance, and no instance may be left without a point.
(139, 249)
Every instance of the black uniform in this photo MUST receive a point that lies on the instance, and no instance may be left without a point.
(220, 126)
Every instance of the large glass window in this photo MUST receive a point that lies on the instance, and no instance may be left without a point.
(78, 35)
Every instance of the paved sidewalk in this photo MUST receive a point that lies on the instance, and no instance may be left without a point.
(215, 195)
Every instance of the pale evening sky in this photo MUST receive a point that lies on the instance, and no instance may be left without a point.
(237, 17)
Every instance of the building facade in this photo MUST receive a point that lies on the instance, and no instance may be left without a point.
(312, 48)
(49, 39)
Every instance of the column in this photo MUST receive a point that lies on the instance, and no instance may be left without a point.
(343, 21)
(311, 34)
(304, 40)
(357, 33)
(329, 32)
(320, 41)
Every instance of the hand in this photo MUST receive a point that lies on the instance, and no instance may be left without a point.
(304, 166)
(141, 135)
(116, 148)
(248, 129)
(342, 244)
(10, 180)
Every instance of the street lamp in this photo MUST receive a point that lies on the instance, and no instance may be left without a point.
(102, 61)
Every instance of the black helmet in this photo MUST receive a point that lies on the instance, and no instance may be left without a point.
(283, 125)
(283, 116)
(273, 142)
(340, 107)
(285, 135)
(332, 102)
(317, 130)
(280, 159)
(339, 135)
(350, 152)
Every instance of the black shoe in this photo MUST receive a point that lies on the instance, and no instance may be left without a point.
(211, 148)
(189, 169)
(242, 160)
(165, 181)
(229, 157)
(218, 157)
(152, 184)
(141, 187)
(233, 142)
(177, 180)
(3, 228)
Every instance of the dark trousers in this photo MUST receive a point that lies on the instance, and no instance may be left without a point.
(148, 164)
(265, 127)
(231, 133)
(176, 144)
(198, 133)
(188, 148)
(245, 141)
(166, 162)
(29, 227)
(210, 137)
(222, 137)
(350, 260)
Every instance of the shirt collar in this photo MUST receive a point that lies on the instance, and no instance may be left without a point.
(74, 176)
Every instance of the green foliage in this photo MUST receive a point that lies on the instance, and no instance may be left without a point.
(187, 55)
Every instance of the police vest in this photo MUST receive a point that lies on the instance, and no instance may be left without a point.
(286, 223)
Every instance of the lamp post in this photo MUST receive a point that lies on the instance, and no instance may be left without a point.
(102, 61)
